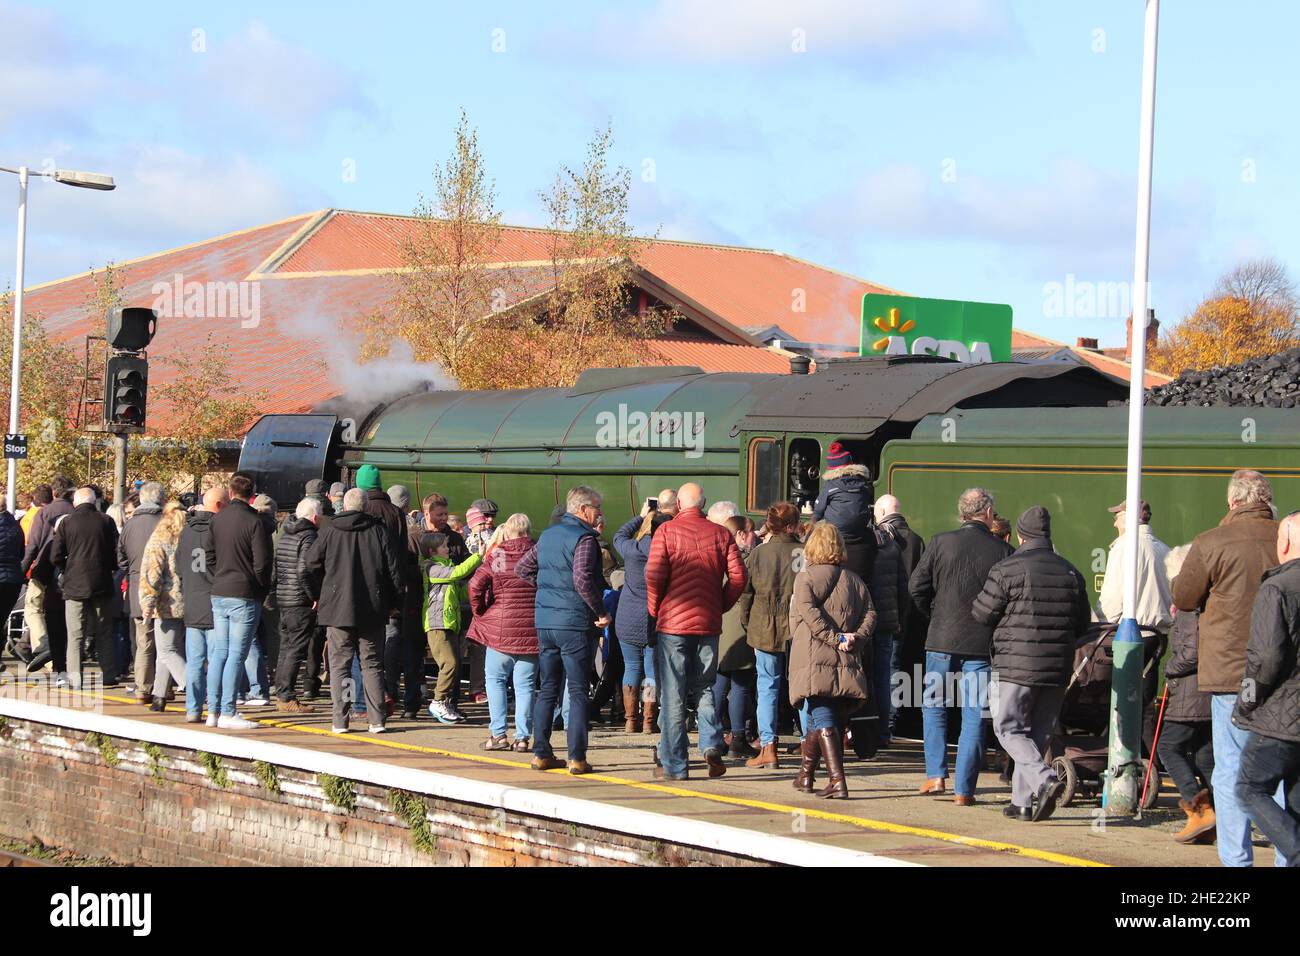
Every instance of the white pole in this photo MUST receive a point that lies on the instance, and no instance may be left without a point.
(1123, 765)
(1141, 263)
(15, 374)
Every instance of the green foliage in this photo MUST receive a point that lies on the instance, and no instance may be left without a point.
(107, 749)
(155, 761)
(216, 772)
(267, 776)
(339, 791)
(411, 808)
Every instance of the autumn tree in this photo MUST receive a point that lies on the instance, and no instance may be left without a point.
(48, 391)
(1252, 311)
(201, 405)
(446, 289)
(588, 316)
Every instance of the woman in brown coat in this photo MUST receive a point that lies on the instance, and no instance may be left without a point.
(831, 621)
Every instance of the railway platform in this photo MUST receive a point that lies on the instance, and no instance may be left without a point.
(748, 815)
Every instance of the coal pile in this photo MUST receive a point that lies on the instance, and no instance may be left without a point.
(1269, 382)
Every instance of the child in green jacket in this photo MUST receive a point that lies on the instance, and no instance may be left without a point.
(444, 593)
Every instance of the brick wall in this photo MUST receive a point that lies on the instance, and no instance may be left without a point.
(147, 805)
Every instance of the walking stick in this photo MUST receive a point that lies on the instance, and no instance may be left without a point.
(1151, 761)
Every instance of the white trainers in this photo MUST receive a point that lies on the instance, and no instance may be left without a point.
(256, 702)
(339, 730)
(212, 720)
(236, 723)
(442, 711)
(376, 728)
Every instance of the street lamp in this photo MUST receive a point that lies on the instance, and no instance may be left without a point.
(69, 177)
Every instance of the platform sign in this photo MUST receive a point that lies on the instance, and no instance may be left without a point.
(15, 446)
(953, 328)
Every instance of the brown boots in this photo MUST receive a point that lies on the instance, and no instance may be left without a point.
(629, 710)
(648, 724)
(810, 754)
(832, 751)
(1200, 818)
(766, 756)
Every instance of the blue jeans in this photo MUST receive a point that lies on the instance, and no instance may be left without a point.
(973, 698)
(584, 685)
(686, 666)
(218, 652)
(564, 661)
(255, 678)
(882, 674)
(824, 713)
(638, 664)
(235, 622)
(737, 689)
(196, 665)
(770, 667)
(500, 671)
(896, 667)
(358, 696)
(1231, 823)
(1266, 765)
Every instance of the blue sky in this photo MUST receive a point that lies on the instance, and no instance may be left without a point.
(956, 148)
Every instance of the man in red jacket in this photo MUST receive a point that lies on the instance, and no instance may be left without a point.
(693, 576)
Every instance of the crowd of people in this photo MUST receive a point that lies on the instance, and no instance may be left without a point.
(701, 619)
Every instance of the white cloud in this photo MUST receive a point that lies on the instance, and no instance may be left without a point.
(287, 87)
(761, 30)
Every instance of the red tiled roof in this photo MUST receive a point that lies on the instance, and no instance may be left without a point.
(718, 356)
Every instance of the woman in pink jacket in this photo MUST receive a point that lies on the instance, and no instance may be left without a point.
(503, 623)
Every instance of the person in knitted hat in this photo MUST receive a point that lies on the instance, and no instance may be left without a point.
(481, 520)
(1037, 604)
(369, 478)
(845, 500)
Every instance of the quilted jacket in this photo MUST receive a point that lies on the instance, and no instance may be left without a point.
(1269, 700)
(693, 575)
(503, 602)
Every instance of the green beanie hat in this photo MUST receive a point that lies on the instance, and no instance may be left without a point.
(368, 478)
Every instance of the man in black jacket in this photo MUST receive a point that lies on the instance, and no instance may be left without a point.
(355, 575)
(951, 572)
(1268, 705)
(195, 563)
(297, 614)
(910, 633)
(85, 550)
(38, 539)
(1037, 603)
(242, 546)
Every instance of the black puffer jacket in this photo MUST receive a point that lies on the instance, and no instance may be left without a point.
(11, 551)
(1187, 704)
(296, 536)
(1269, 701)
(1037, 604)
(888, 583)
(354, 572)
(952, 571)
(196, 562)
(845, 500)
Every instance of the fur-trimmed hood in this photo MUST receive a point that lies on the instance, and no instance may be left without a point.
(844, 471)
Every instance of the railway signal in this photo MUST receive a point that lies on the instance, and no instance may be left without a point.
(126, 380)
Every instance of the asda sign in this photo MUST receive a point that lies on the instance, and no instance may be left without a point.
(951, 328)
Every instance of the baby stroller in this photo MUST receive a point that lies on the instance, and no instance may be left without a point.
(1078, 752)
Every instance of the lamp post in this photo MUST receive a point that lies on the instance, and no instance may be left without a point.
(1123, 766)
(68, 177)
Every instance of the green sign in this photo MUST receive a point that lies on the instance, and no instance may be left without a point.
(906, 325)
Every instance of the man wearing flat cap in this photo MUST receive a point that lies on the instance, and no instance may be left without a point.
(1153, 598)
(1037, 605)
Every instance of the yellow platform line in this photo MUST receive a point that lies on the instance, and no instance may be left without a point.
(864, 823)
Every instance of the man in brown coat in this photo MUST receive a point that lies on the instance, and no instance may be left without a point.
(1220, 578)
